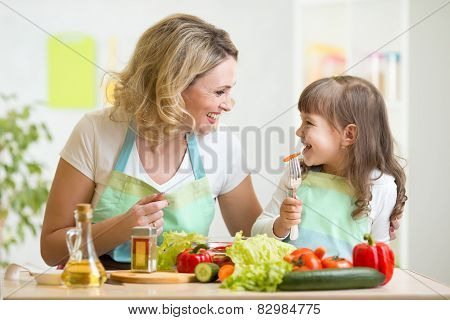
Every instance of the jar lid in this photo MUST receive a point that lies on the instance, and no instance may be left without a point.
(144, 231)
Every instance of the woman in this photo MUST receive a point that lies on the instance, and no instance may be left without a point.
(158, 137)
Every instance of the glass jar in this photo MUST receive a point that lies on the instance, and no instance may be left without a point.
(218, 252)
(143, 249)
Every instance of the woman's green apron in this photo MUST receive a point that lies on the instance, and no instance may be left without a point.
(191, 206)
(326, 220)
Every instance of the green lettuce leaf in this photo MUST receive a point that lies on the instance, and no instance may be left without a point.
(259, 264)
(174, 243)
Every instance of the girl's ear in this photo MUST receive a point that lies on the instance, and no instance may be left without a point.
(349, 135)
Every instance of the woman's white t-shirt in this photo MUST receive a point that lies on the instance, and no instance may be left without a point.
(384, 197)
(95, 143)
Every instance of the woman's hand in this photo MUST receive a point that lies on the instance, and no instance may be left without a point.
(148, 211)
(70, 187)
(395, 224)
(290, 215)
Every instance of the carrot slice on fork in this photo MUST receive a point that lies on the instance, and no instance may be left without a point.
(292, 156)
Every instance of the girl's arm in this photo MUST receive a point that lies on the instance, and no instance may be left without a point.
(384, 196)
(265, 222)
(240, 207)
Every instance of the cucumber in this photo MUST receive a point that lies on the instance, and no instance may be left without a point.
(206, 272)
(331, 279)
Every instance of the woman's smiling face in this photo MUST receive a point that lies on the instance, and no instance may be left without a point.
(209, 95)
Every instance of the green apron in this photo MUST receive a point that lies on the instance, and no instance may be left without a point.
(191, 206)
(328, 202)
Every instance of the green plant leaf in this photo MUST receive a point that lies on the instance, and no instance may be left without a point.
(3, 214)
(33, 167)
(23, 189)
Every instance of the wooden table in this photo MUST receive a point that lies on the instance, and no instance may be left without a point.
(404, 285)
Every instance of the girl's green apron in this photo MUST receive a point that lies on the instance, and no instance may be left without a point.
(191, 206)
(328, 203)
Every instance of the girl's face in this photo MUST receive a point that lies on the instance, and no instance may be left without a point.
(209, 95)
(322, 143)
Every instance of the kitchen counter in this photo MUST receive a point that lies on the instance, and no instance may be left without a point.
(404, 285)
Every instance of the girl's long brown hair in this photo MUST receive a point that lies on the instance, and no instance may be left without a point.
(345, 100)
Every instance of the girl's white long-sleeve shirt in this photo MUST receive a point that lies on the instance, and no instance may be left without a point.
(384, 196)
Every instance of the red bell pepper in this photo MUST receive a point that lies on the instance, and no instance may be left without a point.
(378, 256)
(190, 258)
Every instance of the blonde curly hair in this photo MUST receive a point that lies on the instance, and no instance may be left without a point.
(168, 57)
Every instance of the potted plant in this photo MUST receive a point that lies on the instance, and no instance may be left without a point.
(23, 189)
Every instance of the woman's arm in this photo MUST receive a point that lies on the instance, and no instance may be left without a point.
(240, 207)
(71, 187)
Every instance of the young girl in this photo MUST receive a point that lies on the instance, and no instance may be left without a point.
(352, 184)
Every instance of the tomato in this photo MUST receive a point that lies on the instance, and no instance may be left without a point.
(293, 256)
(307, 261)
(320, 252)
(336, 262)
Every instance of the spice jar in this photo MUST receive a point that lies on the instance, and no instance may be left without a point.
(143, 249)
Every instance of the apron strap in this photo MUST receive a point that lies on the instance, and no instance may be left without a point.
(194, 155)
(126, 150)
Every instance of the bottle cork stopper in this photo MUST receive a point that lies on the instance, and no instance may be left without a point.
(83, 208)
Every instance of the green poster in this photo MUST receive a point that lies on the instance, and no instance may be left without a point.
(71, 71)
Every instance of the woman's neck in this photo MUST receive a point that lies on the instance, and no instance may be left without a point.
(162, 162)
(169, 145)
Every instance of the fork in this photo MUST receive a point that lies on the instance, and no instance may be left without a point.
(295, 174)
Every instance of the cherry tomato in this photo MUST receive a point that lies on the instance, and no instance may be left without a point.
(336, 262)
(293, 256)
(320, 252)
(307, 261)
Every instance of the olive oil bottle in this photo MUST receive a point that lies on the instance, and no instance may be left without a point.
(83, 269)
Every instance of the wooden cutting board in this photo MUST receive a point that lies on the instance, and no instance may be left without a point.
(154, 277)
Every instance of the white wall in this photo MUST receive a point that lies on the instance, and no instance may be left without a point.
(429, 133)
(262, 31)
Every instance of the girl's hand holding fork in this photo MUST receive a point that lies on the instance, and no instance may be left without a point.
(290, 215)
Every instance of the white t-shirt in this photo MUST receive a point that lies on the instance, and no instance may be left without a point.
(384, 196)
(95, 143)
